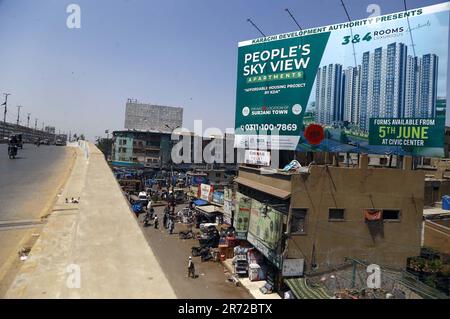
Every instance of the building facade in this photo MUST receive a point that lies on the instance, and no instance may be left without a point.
(322, 218)
(147, 149)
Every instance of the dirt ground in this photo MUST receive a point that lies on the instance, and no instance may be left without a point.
(173, 253)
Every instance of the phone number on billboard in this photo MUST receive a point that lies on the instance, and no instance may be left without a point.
(269, 127)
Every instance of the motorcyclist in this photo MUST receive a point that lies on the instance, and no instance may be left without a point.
(12, 146)
(13, 140)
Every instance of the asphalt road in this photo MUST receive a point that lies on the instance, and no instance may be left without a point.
(28, 185)
(29, 182)
(172, 254)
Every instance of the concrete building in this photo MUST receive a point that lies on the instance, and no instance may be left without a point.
(146, 149)
(150, 117)
(50, 129)
(329, 94)
(428, 86)
(352, 87)
(322, 217)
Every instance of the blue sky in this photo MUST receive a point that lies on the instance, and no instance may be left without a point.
(180, 53)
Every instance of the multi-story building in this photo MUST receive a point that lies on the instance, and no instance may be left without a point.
(329, 94)
(388, 84)
(352, 87)
(150, 117)
(321, 218)
(147, 149)
(50, 129)
(411, 87)
(428, 78)
(154, 149)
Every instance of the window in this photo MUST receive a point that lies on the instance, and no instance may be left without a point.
(391, 214)
(383, 161)
(427, 161)
(298, 224)
(336, 214)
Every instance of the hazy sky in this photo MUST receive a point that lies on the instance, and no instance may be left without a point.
(180, 53)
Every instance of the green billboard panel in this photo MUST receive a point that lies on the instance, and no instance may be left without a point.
(343, 77)
(412, 134)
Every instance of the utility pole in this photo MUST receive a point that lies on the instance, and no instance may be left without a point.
(18, 114)
(35, 124)
(6, 110)
(28, 120)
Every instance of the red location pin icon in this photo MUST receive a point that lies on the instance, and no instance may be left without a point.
(314, 134)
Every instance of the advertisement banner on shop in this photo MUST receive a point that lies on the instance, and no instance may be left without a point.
(242, 215)
(206, 192)
(265, 224)
(227, 211)
(345, 77)
(217, 198)
(255, 157)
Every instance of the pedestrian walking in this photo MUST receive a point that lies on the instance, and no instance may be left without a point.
(165, 220)
(149, 205)
(171, 226)
(155, 222)
(191, 268)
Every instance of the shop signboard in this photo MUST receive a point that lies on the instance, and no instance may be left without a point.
(242, 215)
(228, 208)
(228, 193)
(217, 197)
(255, 157)
(386, 75)
(270, 254)
(205, 192)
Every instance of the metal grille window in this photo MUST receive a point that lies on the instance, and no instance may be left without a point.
(298, 224)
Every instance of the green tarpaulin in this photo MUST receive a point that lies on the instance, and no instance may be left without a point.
(301, 289)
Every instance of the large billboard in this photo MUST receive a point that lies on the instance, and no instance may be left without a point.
(376, 85)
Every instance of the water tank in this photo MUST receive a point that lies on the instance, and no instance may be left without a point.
(446, 202)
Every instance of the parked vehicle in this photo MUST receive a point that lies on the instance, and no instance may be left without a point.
(189, 234)
(60, 142)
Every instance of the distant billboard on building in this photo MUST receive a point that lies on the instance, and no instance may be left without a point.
(151, 117)
(376, 85)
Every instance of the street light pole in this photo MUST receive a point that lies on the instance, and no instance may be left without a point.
(171, 172)
(4, 114)
(18, 114)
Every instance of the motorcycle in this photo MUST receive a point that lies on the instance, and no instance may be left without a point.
(12, 151)
(148, 218)
(187, 234)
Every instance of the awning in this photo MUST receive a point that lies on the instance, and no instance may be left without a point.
(301, 289)
(210, 209)
(200, 202)
(277, 192)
